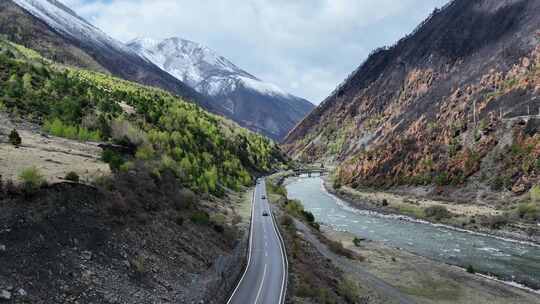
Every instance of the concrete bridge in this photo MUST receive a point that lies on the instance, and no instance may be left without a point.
(310, 171)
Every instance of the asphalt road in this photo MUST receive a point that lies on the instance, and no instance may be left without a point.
(265, 278)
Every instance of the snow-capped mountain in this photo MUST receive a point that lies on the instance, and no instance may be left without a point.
(64, 20)
(179, 66)
(261, 106)
(57, 32)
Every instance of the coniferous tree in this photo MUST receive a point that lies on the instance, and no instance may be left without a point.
(15, 138)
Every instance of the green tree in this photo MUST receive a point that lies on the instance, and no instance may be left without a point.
(32, 179)
(27, 82)
(15, 138)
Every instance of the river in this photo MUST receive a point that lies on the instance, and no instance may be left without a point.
(507, 260)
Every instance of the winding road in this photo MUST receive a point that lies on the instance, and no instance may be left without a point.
(265, 278)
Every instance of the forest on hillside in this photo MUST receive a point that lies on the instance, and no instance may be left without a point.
(207, 153)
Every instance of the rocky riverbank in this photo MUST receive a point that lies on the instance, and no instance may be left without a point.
(484, 219)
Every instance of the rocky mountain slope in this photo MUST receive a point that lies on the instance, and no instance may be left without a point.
(443, 106)
(54, 30)
(255, 104)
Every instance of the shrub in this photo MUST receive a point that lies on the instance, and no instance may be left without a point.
(337, 184)
(219, 228)
(200, 218)
(337, 248)
(10, 187)
(454, 148)
(275, 189)
(219, 219)
(185, 200)
(324, 295)
(32, 179)
(534, 194)
(349, 290)
(119, 206)
(126, 166)
(470, 269)
(384, 202)
(497, 221)
(113, 158)
(287, 221)
(483, 125)
(179, 221)
(15, 138)
(529, 211)
(437, 212)
(57, 128)
(500, 182)
(124, 132)
(72, 176)
(293, 207)
(308, 216)
(442, 179)
(139, 264)
(145, 152)
(357, 241)
(305, 291)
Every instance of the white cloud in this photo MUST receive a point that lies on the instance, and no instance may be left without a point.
(305, 46)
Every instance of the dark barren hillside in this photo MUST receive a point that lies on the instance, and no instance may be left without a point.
(439, 101)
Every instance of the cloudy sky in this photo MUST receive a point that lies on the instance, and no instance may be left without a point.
(305, 46)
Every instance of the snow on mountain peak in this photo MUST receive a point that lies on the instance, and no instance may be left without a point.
(143, 43)
(64, 20)
(200, 67)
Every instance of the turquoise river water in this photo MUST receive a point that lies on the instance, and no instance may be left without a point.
(507, 260)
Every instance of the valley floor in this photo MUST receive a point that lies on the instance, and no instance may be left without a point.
(385, 274)
(424, 280)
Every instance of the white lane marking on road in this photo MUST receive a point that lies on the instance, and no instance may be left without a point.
(250, 244)
(260, 287)
(284, 261)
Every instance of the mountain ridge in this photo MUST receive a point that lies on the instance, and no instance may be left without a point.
(56, 31)
(436, 98)
(275, 111)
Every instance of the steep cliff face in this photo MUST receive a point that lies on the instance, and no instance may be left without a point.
(440, 106)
